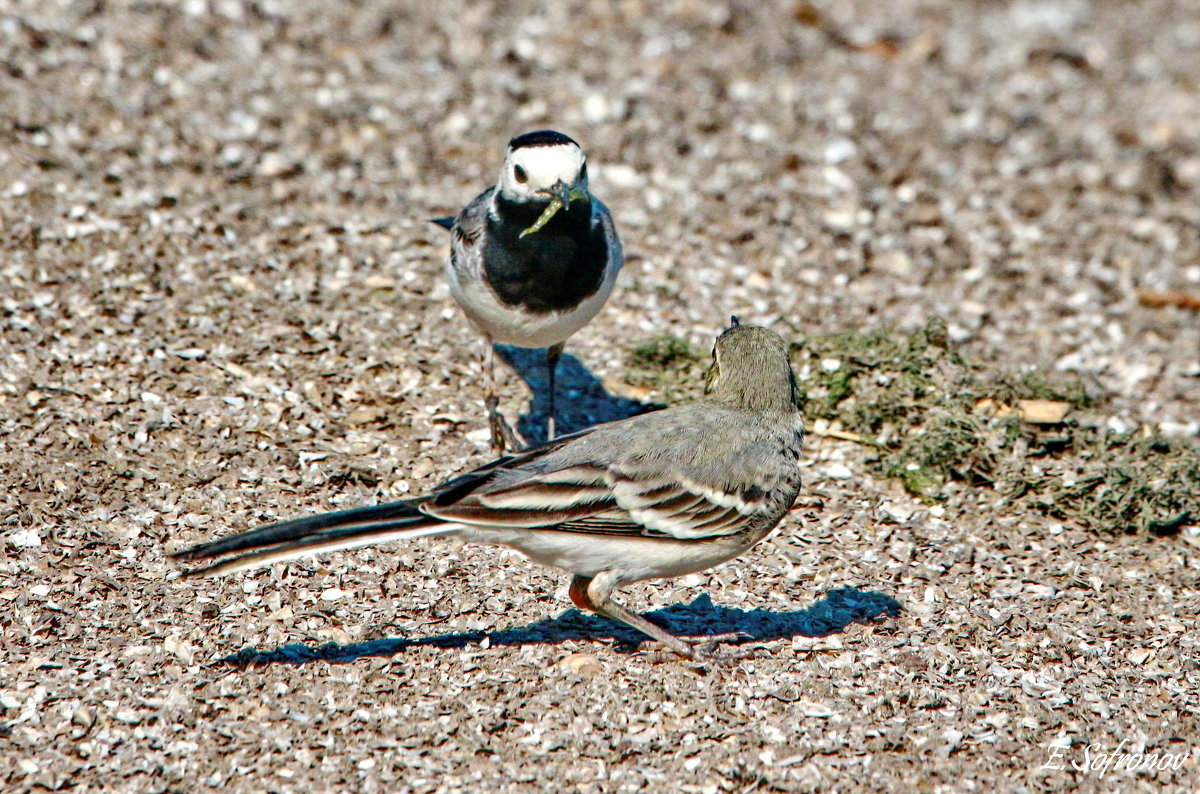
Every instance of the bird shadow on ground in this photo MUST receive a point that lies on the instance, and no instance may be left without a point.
(829, 615)
(582, 399)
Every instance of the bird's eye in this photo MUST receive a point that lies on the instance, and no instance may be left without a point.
(583, 172)
(712, 376)
(520, 175)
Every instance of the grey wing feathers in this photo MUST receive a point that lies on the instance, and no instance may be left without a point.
(595, 485)
(611, 503)
(471, 222)
(602, 217)
(467, 229)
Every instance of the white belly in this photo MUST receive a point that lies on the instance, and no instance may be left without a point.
(629, 559)
(511, 327)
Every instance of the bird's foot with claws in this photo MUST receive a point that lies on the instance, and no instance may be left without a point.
(503, 436)
(704, 649)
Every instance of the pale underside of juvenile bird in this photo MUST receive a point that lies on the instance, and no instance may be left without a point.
(532, 259)
(662, 494)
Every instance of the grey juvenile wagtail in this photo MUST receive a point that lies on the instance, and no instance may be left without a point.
(532, 259)
(662, 494)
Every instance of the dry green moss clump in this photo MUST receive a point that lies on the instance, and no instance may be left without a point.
(671, 365)
(1140, 482)
(911, 396)
(922, 405)
(1009, 387)
(948, 445)
(876, 383)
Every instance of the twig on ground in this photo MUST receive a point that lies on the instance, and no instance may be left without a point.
(1157, 300)
(843, 435)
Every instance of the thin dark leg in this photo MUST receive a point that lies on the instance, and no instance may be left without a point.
(553, 354)
(502, 434)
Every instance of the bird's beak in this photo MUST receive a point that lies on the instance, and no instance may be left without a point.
(561, 195)
(567, 193)
(562, 192)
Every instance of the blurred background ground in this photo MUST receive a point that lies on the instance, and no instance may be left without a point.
(221, 303)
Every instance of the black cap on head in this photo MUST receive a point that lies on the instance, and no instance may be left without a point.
(539, 138)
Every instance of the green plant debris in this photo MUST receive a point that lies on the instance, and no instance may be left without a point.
(665, 363)
(870, 382)
(1146, 484)
(1008, 387)
(950, 445)
(917, 397)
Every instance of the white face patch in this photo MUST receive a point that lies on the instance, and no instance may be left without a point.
(542, 167)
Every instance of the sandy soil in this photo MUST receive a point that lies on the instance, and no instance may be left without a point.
(222, 303)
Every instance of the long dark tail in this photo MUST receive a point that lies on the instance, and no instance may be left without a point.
(287, 540)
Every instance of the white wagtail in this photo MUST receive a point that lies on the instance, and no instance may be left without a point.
(660, 494)
(532, 259)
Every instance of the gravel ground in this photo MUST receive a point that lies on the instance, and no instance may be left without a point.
(222, 304)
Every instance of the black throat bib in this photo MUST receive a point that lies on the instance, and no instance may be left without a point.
(551, 270)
